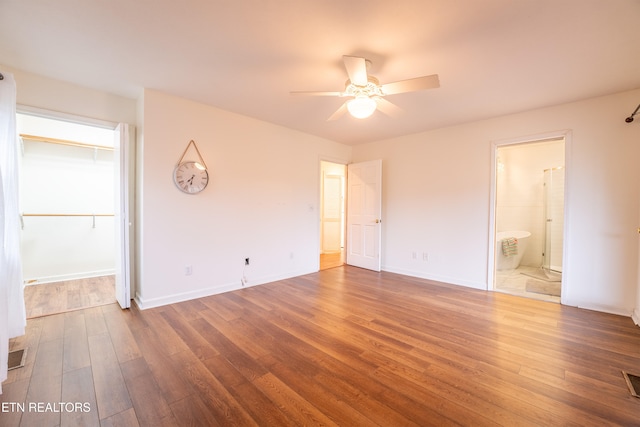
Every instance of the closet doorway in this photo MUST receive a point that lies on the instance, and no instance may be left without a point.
(67, 200)
(332, 214)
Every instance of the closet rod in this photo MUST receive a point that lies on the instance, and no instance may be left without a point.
(63, 142)
(93, 216)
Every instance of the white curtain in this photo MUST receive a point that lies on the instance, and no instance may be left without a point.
(12, 312)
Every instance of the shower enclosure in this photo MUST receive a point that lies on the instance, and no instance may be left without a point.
(553, 218)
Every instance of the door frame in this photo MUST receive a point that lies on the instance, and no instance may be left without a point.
(320, 204)
(129, 180)
(566, 134)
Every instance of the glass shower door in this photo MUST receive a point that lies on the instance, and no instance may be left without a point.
(554, 218)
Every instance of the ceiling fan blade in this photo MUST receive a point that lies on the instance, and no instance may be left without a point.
(339, 112)
(387, 107)
(357, 70)
(411, 85)
(316, 93)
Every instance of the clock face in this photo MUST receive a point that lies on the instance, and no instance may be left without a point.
(191, 177)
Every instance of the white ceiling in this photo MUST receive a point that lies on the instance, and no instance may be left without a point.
(493, 57)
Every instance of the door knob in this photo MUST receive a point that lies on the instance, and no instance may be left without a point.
(378, 221)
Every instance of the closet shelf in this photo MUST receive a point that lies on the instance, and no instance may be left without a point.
(63, 142)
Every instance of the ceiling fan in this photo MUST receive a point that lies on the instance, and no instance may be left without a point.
(366, 92)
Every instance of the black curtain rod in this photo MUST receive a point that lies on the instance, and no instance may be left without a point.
(630, 118)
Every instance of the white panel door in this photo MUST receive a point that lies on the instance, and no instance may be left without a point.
(121, 160)
(364, 210)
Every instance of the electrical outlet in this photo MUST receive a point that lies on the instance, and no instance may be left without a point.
(425, 256)
(414, 255)
(246, 261)
(188, 270)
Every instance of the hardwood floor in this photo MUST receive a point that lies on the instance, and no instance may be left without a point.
(60, 297)
(331, 260)
(343, 346)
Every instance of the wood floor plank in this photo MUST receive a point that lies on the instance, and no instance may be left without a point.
(149, 404)
(49, 359)
(297, 409)
(364, 395)
(222, 404)
(94, 321)
(127, 418)
(189, 310)
(247, 366)
(123, 341)
(13, 395)
(238, 332)
(336, 409)
(258, 405)
(76, 345)
(112, 396)
(170, 341)
(167, 374)
(78, 400)
(52, 328)
(192, 411)
(459, 409)
(43, 390)
(194, 341)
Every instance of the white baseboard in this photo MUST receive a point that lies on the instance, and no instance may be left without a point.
(146, 303)
(436, 278)
(606, 309)
(70, 276)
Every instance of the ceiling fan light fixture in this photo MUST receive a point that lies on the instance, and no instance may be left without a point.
(361, 107)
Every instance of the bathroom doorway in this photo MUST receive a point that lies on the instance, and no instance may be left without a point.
(529, 218)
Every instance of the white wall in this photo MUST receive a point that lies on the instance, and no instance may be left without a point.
(436, 199)
(58, 96)
(261, 202)
(58, 180)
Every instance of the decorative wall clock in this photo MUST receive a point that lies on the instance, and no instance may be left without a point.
(189, 176)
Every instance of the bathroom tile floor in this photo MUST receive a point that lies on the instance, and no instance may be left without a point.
(514, 282)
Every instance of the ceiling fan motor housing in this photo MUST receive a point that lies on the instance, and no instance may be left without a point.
(372, 88)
